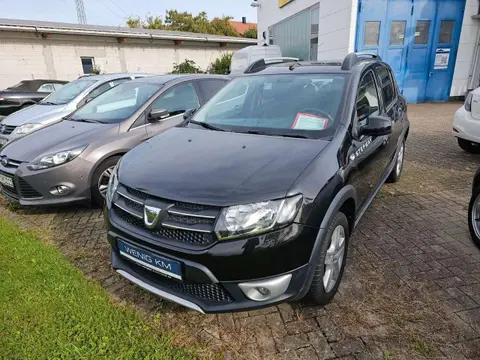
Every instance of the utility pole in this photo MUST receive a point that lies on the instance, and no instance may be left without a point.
(81, 15)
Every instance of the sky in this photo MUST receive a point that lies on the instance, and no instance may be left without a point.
(115, 12)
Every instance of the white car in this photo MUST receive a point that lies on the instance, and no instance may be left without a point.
(466, 123)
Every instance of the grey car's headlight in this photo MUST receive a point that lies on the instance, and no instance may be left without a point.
(56, 159)
(27, 128)
(112, 186)
(252, 219)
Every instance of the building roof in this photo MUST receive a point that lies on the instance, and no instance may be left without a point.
(115, 31)
(242, 27)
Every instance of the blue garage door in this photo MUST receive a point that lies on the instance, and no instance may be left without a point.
(418, 38)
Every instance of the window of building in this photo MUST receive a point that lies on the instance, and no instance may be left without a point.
(372, 33)
(421, 32)
(314, 21)
(446, 31)
(87, 64)
(397, 32)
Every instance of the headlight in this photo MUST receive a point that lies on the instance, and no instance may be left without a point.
(59, 158)
(251, 219)
(468, 102)
(27, 128)
(112, 186)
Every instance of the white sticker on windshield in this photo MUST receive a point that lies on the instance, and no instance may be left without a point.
(309, 122)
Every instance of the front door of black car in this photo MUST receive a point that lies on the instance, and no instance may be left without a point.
(366, 156)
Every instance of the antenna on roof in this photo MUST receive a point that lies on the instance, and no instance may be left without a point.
(81, 15)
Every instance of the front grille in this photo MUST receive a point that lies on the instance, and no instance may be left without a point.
(182, 222)
(26, 191)
(7, 129)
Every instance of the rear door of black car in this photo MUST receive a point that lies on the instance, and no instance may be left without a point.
(389, 96)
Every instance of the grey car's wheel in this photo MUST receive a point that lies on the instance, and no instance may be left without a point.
(100, 179)
(474, 216)
(398, 167)
(331, 263)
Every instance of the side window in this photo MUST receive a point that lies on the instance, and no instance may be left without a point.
(210, 87)
(98, 91)
(57, 86)
(178, 99)
(47, 88)
(386, 84)
(367, 97)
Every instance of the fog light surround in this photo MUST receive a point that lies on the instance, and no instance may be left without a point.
(266, 289)
(60, 190)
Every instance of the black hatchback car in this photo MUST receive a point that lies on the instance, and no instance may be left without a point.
(252, 199)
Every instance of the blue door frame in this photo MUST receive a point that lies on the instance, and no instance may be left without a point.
(418, 38)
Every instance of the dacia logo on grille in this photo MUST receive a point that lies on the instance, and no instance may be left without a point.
(4, 161)
(2, 128)
(151, 215)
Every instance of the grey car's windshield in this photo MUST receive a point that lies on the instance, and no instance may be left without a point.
(116, 104)
(68, 92)
(299, 105)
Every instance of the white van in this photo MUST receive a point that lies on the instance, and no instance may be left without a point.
(243, 58)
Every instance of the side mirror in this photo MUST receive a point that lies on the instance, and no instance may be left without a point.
(158, 114)
(188, 114)
(376, 126)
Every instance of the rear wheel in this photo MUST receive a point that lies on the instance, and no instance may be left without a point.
(100, 179)
(397, 169)
(474, 216)
(469, 146)
(331, 263)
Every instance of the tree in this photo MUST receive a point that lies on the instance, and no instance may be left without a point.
(184, 21)
(221, 65)
(186, 67)
(251, 33)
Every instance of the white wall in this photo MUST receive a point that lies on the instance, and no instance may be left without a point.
(337, 23)
(24, 56)
(466, 48)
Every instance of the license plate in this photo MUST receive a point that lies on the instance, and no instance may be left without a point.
(3, 141)
(150, 261)
(6, 181)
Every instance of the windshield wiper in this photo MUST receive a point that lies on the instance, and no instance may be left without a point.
(47, 103)
(256, 132)
(207, 126)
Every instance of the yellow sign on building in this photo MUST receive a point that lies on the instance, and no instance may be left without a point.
(282, 3)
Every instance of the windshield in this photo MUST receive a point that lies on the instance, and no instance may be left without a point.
(116, 104)
(304, 105)
(68, 92)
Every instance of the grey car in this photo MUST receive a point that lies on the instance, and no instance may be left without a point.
(59, 104)
(71, 161)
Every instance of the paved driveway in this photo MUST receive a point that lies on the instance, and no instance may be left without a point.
(411, 287)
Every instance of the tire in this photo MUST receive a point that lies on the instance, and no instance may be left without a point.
(473, 214)
(320, 292)
(397, 169)
(469, 146)
(97, 196)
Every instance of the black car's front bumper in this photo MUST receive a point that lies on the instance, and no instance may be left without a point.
(212, 275)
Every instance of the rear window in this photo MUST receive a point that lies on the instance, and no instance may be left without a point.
(304, 105)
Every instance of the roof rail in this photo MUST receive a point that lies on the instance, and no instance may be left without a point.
(262, 64)
(354, 57)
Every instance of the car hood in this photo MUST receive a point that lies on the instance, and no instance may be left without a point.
(64, 135)
(217, 168)
(39, 114)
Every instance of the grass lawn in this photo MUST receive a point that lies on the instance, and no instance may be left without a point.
(49, 310)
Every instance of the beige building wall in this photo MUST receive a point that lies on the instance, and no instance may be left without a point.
(28, 56)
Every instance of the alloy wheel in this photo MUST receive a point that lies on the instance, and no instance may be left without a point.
(475, 216)
(334, 258)
(104, 179)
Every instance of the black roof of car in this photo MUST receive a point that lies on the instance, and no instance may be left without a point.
(33, 85)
